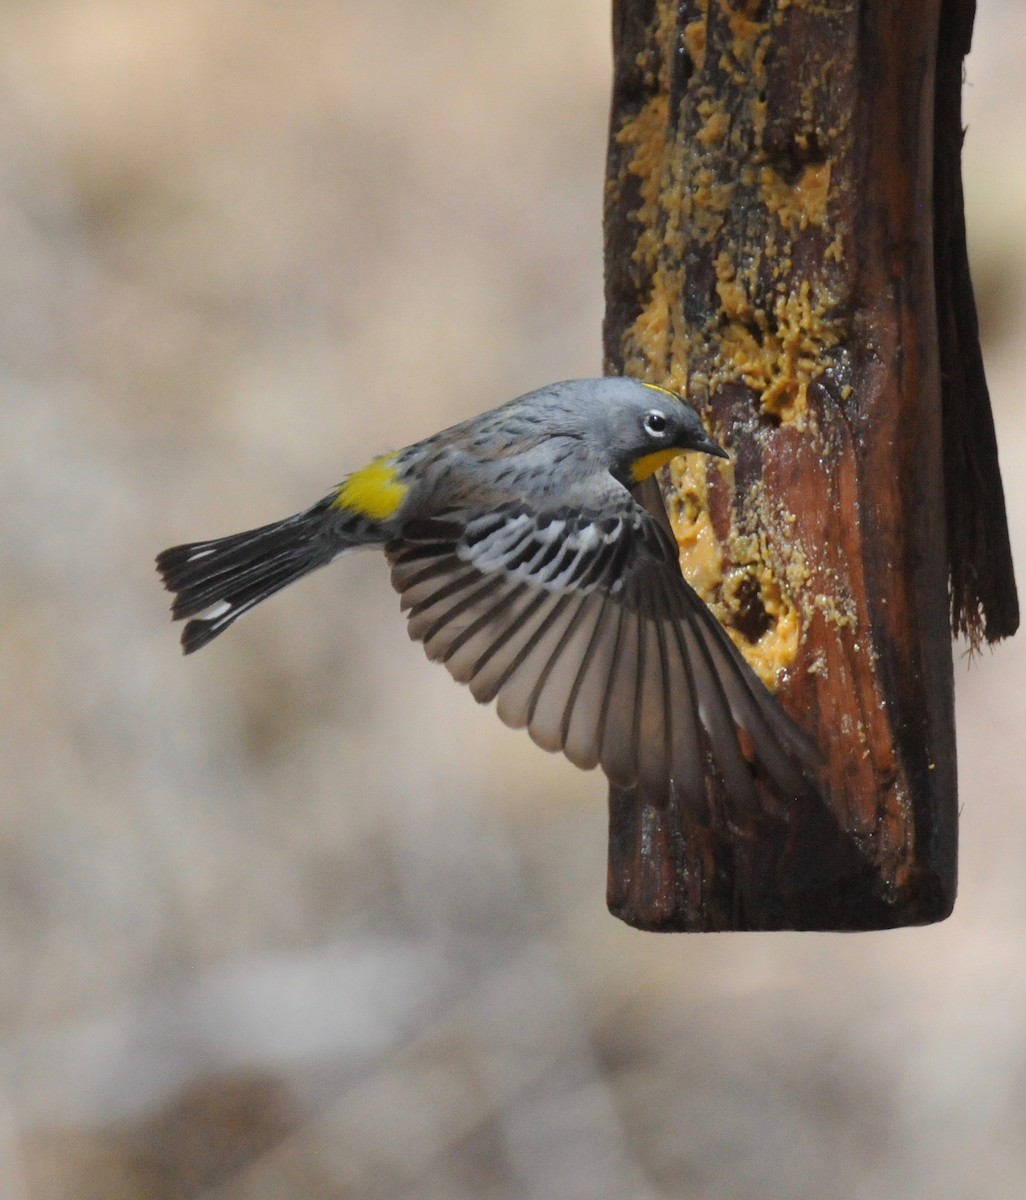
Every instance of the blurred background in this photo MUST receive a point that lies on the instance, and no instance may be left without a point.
(294, 917)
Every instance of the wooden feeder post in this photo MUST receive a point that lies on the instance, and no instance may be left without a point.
(785, 245)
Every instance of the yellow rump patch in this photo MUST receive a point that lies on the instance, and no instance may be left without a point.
(373, 491)
(648, 464)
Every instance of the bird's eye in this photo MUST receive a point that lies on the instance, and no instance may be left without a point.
(655, 423)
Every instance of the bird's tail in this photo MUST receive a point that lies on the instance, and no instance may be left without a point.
(216, 582)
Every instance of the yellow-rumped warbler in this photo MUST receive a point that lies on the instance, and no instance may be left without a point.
(526, 566)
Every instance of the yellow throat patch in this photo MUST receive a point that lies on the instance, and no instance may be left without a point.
(373, 491)
(648, 464)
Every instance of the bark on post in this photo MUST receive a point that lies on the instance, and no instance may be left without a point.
(771, 251)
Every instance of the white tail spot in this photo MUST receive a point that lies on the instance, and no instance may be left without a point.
(218, 609)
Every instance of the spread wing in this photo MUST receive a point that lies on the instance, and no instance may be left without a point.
(584, 630)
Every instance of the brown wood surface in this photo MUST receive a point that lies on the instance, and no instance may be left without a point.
(770, 251)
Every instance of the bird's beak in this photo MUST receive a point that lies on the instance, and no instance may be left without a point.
(708, 446)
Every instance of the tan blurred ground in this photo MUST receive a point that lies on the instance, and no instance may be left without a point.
(294, 917)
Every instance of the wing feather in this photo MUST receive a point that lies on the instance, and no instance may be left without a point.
(588, 702)
(583, 629)
(715, 716)
(687, 772)
(503, 657)
(417, 580)
(619, 752)
(443, 606)
(474, 653)
(778, 743)
(516, 692)
(655, 746)
(550, 704)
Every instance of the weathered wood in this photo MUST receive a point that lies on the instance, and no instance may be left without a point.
(984, 603)
(769, 251)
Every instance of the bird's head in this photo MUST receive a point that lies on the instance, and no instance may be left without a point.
(645, 426)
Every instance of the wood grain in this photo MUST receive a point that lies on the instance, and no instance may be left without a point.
(770, 252)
